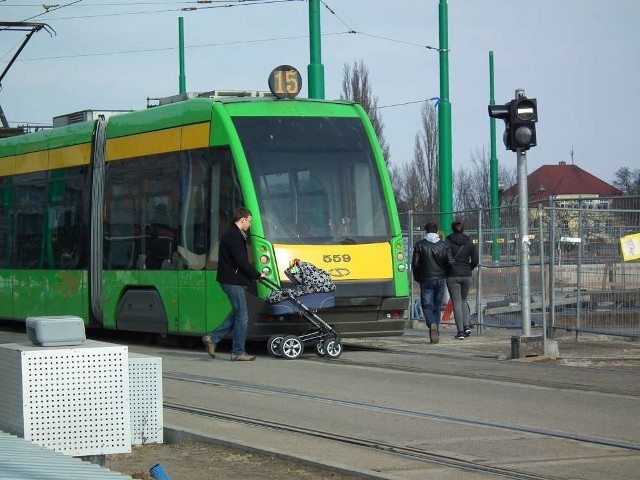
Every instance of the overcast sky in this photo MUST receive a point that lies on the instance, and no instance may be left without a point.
(579, 58)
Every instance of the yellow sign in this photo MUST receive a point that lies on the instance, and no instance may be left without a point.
(342, 262)
(630, 247)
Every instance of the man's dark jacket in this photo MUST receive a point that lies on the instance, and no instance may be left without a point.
(465, 255)
(430, 260)
(233, 262)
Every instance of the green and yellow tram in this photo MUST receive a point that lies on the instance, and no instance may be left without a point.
(117, 220)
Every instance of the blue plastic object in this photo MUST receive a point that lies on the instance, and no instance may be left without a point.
(158, 472)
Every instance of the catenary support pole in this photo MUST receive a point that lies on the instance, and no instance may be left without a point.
(182, 81)
(493, 172)
(315, 70)
(444, 126)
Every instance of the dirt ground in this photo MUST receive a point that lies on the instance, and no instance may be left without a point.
(195, 460)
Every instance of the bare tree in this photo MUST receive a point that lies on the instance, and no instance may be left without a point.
(628, 181)
(472, 184)
(415, 184)
(356, 87)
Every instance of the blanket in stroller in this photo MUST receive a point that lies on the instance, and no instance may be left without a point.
(306, 278)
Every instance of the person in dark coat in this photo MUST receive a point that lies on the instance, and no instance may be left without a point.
(459, 281)
(431, 259)
(235, 273)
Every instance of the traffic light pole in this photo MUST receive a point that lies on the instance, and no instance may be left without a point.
(523, 236)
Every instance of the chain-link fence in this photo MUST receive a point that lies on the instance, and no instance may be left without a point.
(578, 278)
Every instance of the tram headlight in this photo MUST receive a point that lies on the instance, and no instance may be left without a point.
(402, 267)
(266, 270)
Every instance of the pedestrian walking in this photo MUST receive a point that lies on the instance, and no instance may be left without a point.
(459, 281)
(235, 273)
(431, 259)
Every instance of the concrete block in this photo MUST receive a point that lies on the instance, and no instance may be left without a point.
(551, 349)
(522, 347)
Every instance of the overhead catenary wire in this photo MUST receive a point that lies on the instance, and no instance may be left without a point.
(223, 4)
(226, 4)
(354, 31)
(160, 49)
(436, 101)
(52, 9)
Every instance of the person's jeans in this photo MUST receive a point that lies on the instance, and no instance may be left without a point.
(431, 295)
(237, 319)
(458, 290)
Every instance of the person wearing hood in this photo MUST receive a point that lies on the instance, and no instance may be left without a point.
(459, 281)
(431, 259)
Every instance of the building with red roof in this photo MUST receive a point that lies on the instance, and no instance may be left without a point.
(562, 181)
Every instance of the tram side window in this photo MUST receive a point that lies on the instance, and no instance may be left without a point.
(6, 201)
(30, 192)
(160, 212)
(209, 194)
(168, 211)
(226, 196)
(68, 217)
(192, 242)
(122, 215)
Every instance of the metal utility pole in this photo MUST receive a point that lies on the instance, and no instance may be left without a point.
(444, 126)
(315, 70)
(523, 236)
(493, 171)
(182, 79)
(520, 116)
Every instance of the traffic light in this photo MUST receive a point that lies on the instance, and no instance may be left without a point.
(502, 112)
(520, 116)
(523, 117)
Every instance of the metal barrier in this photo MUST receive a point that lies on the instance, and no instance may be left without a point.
(578, 279)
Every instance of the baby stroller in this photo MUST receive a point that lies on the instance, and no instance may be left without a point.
(312, 290)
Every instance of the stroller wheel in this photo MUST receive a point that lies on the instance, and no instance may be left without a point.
(320, 348)
(291, 347)
(332, 348)
(273, 345)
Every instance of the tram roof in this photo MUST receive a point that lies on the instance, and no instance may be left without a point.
(190, 111)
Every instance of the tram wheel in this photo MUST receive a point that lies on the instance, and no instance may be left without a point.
(291, 347)
(273, 345)
(333, 348)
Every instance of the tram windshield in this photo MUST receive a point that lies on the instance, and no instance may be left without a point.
(315, 178)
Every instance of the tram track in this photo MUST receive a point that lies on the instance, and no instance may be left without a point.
(553, 384)
(633, 389)
(410, 453)
(283, 392)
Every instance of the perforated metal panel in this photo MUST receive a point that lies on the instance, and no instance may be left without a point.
(145, 387)
(22, 460)
(75, 400)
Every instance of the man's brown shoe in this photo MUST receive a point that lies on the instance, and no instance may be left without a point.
(211, 347)
(243, 357)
